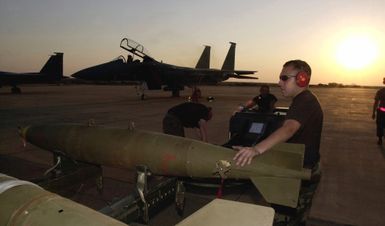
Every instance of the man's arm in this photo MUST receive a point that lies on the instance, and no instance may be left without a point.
(246, 154)
(250, 103)
(272, 105)
(202, 129)
(375, 104)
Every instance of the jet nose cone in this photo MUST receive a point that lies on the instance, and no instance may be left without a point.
(80, 74)
(76, 75)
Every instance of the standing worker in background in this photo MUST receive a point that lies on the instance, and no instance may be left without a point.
(196, 94)
(189, 115)
(379, 107)
(265, 101)
(303, 125)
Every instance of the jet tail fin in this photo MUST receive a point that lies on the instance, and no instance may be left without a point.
(204, 60)
(229, 62)
(281, 191)
(53, 68)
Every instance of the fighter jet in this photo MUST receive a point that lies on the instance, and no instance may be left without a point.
(156, 75)
(51, 72)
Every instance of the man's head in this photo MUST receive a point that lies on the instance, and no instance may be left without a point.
(264, 89)
(294, 77)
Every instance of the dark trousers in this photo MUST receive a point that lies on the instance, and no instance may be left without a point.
(380, 121)
(172, 125)
(297, 216)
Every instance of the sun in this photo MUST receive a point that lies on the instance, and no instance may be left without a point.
(357, 52)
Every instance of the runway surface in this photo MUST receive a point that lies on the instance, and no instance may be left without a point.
(353, 165)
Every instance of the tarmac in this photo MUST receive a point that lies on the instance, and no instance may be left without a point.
(353, 166)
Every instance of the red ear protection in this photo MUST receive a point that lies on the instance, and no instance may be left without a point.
(302, 79)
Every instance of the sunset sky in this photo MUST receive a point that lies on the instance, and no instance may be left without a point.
(342, 40)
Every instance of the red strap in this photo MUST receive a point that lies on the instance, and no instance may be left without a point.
(219, 192)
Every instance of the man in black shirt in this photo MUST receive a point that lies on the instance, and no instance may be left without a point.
(265, 101)
(303, 124)
(187, 115)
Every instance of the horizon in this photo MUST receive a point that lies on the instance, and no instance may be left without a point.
(343, 41)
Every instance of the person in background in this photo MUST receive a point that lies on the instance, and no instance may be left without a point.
(196, 94)
(379, 108)
(187, 115)
(264, 102)
(303, 125)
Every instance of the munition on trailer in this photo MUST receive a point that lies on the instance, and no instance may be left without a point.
(277, 173)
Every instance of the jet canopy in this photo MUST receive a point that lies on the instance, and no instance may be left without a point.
(135, 48)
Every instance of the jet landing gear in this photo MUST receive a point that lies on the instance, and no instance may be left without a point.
(175, 90)
(140, 88)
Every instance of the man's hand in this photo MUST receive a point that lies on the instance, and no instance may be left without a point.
(244, 155)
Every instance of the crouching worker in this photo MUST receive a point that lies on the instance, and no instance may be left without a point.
(303, 125)
(189, 115)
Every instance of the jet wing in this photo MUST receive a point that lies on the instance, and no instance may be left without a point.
(241, 75)
(242, 72)
(244, 77)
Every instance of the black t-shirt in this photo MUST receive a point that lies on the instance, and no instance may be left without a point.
(190, 113)
(264, 102)
(380, 96)
(307, 110)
